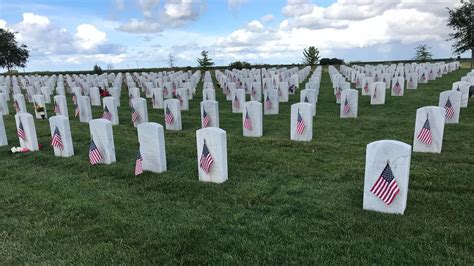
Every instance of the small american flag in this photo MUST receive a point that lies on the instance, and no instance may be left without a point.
(74, 98)
(425, 133)
(174, 89)
(56, 140)
(94, 154)
(165, 91)
(17, 106)
(205, 119)
(366, 87)
(107, 114)
(386, 188)
(357, 82)
(57, 110)
(180, 99)
(300, 126)
(76, 110)
(410, 83)
(291, 88)
(449, 109)
(135, 115)
(236, 102)
(254, 92)
(306, 100)
(397, 89)
(153, 99)
(268, 103)
(375, 93)
(21, 132)
(247, 121)
(138, 164)
(169, 119)
(338, 94)
(458, 89)
(347, 107)
(423, 76)
(206, 160)
(279, 92)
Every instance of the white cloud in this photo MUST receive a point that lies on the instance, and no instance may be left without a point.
(297, 8)
(267, 18)
(147, 6)
(140, 26)
(3, 24)
(234, 5)
(88, 36)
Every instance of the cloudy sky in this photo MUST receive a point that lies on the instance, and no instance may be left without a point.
(76, 34)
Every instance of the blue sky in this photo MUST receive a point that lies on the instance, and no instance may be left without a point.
(76, 34)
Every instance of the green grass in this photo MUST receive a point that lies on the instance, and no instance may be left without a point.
(284, 202)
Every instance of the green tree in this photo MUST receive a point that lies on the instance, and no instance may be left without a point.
(12, 54)
(205, 62)
(97, 70)
(422, 53)
(239, 65)
(311, 56)
(461, 20)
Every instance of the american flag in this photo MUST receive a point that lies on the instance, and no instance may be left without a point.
(57, 110)
(17, 106)
(74, 98)
(247, 121)
(138, 164)
(300, 126)
(94, 154)
(338, 94)
(425, 133)
(254, 92)
(268, 103)
(366, 87)
(21, 132)
(279, 92)
(410, 83)
(174, 89)
(56, 140)
(135, 115)
(423, 76)
(375, 93)
(76, 110)
(206, 160)
(236, 102)
(107, 114)
(291, 88)
(449, 109)
(306, 100)
(347, 107)
(165, 91)
(180, 99)
(386, 188)
(458, 89)
(397, 89)
(205, 118)
(169, 119)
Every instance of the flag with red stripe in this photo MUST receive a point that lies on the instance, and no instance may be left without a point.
(206, 160)
(56, 140)
(425, 133)
(386, 188)
(94, 154)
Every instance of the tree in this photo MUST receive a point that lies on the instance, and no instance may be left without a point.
(239, 65)
(461, 20)
(205, 62)
(12, 54)
(97, 70)
(422, 53)
(311, 56)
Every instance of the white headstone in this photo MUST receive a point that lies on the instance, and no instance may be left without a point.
(208, 94)
(103, 137)
(63, 133)
(110, 111)
(382, 158)
(4, 104)
(270, 102)
(209, 114)
(212, 146)
(172, 114)
(463, 88)
(283, 92)
(46, 92)
(139, 112)
(412, 82)
(366, 84)
(252, 119)
(309, 96)
(451, 102)
(95, 96)
(256, 91)
(238, 100)
(429, 129)
(3, 134)
(19, 103)
(40, 107)
(84, 105)
(25, 122)
(60, 105)
(152, 147)
(157, 98)
(349, 103)
(398, 86)
(377, 93)
(181, 95)
(301, 122)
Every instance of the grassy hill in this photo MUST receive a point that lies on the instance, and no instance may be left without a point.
(284, 202)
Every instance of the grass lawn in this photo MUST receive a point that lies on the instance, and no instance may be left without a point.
(284, 202)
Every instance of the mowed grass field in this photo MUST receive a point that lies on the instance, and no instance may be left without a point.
(285, 202)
